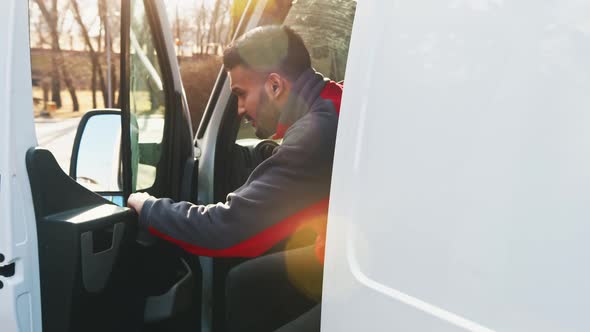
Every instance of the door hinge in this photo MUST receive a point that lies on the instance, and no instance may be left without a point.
(6, 271)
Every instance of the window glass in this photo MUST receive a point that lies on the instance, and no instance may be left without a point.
(201, 30)
(146, 98)
(325, 26)
(74, 49)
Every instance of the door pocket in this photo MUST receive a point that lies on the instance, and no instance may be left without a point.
(97, 266)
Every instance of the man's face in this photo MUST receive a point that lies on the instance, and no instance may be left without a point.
(254, 101)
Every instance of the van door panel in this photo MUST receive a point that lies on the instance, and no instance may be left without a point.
(461, 174)
(87, 252)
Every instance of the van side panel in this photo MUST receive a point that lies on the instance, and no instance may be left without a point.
(461, 185)
(20, 304)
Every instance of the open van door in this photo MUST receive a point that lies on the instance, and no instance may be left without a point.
(96, 272)
(20, 308)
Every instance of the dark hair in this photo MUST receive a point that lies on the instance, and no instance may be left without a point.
(272, 48)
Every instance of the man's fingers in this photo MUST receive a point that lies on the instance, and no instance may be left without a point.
(136, 200)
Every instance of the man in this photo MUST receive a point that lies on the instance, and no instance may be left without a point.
(283, 97)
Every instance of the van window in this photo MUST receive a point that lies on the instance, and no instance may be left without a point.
(72, 49)
(146, 94)
(201, 30)
(325, 27)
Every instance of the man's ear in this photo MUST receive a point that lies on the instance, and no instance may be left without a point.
(275, 85)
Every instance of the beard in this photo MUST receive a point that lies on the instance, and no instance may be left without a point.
(267, 117)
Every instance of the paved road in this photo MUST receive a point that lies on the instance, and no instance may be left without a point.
(58, 137)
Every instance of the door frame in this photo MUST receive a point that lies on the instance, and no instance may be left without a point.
(177, 136)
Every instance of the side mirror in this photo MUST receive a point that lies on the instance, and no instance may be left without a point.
(96, 154)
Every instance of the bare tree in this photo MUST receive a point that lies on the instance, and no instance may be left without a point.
(107, 21)
(39, 28)
(210, 25)
(201, 22)
(99, 50)
(95, 60)
(223, 24)
(211, 36)
(51, 18)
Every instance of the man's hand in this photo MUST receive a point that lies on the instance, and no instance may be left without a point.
(136, 201)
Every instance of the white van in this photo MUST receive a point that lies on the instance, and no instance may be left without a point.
(460, 192)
